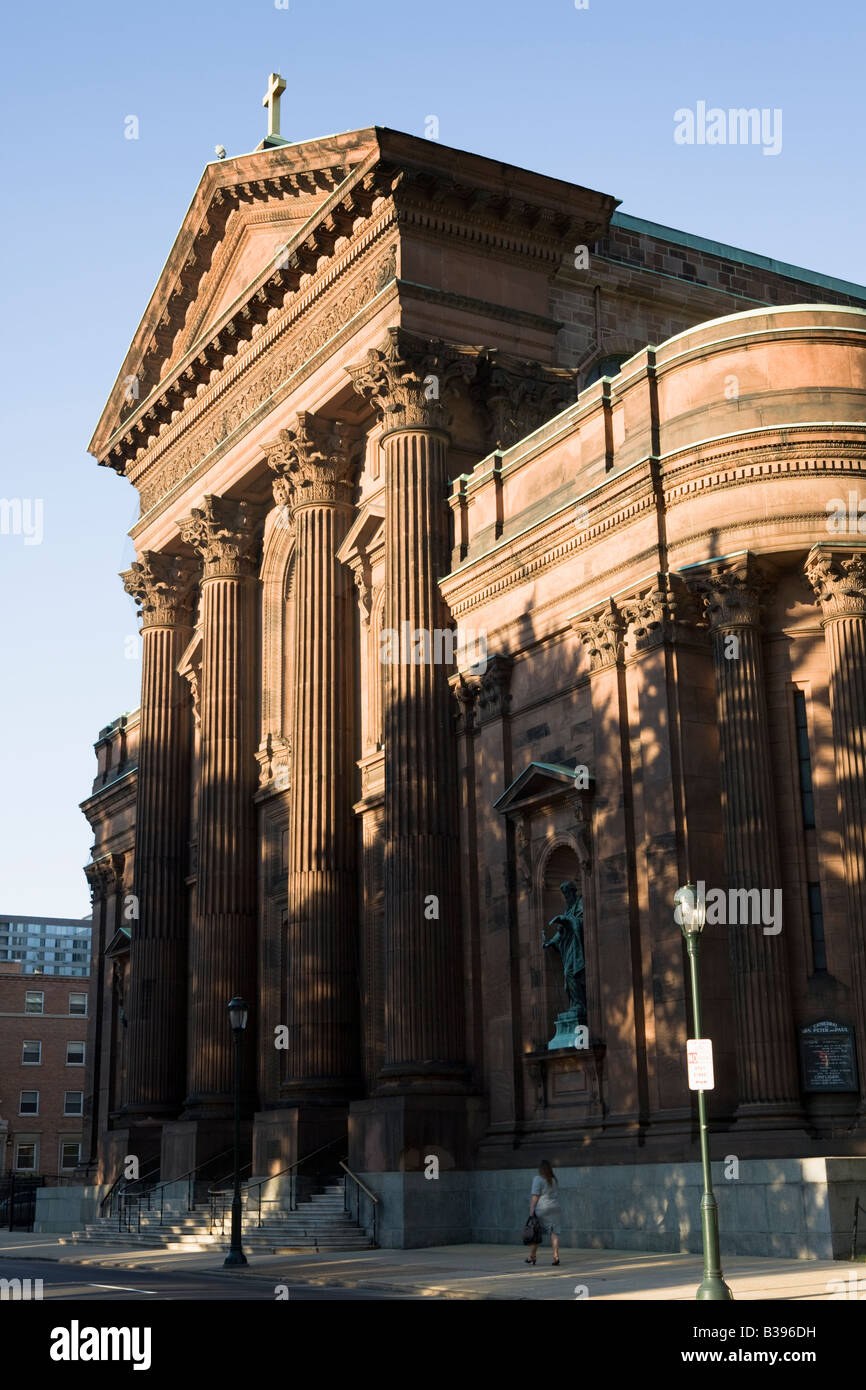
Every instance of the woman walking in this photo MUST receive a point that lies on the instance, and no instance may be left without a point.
(544, 1204)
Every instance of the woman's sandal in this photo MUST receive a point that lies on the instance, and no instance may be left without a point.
(530, 1260)
(556, 1262)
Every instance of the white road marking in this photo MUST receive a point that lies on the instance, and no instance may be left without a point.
(121, 1288)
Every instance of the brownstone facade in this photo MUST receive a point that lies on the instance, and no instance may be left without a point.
(373, 359)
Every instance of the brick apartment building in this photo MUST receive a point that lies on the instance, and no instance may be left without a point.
(43, 1062)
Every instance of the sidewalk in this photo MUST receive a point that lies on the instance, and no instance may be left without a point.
(474, 1271)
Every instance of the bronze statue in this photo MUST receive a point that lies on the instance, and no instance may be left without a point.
(569, 943)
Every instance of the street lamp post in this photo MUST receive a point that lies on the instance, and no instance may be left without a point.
(691, 914)
(238, 1013)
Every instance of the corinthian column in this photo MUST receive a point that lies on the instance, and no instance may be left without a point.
(766, 1060)
(222, 960)
(424, 1006)
(839, 580)
(316, 461)
(163, 585)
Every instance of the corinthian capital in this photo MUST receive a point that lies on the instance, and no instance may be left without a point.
(732, 593)
(164, 588)
(602, 636)
(657, 611)
(314, 462)
(517, 397)
(227, 536)
(839, 580)
(405, 378)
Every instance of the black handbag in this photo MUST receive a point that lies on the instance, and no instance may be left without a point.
(533, 1232)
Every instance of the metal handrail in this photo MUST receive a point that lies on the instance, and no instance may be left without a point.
(125, 1204)
(362, 1187)
(215, 1192)
(111, 1191)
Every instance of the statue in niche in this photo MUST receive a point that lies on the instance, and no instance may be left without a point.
(568, 941)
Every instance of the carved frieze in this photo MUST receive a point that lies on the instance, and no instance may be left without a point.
(260, 383)
(164, 588)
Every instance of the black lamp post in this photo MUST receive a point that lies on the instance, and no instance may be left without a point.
(238, 1013)
(691, 913)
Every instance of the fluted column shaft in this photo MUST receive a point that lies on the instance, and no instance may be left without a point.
(323, 982)
(839, 579)
(766, 1059)
(408, 380)
(222, 957)
(424, 1012)
(158, 943)
(315, 462)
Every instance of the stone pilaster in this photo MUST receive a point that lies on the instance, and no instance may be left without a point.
(164, 586)
(768, 1084)
(315, 464)
(406, 381)
(222, 962)
(838, 576)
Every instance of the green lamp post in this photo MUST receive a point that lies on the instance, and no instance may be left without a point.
(238, 1013)
(690, 912)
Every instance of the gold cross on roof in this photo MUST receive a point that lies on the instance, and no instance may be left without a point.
(271, 99)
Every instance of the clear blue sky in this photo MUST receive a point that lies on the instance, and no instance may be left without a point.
(90, 216)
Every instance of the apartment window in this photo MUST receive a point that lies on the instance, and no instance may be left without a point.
(75, 1054)
(804, 759)
(34, 1001)
(28, 1103)
(73, 1103)
(78, 1004)
(816, 927)
(31, 1054)
(25, 1157)
(70, 1154)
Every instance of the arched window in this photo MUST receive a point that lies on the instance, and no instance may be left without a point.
(605, 366)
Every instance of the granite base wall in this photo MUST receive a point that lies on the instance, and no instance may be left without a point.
(60, 1210)
(791, 1208)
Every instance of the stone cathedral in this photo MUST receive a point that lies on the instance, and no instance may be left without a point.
(606, 479)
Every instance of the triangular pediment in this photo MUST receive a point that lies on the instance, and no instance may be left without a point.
(244, 213)
(537, 783)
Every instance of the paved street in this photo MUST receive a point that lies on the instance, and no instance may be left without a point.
(63, 1282)
(449, 1271)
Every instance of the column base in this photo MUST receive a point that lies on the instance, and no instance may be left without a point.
(402, 1133)
(778, 1123)
(423, 1078)
(116, 1146)
(282, 1137)
(204, 1146)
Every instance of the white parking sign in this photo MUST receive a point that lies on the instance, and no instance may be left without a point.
(699, 1052)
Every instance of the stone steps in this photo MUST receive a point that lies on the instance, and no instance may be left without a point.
(320, 1223)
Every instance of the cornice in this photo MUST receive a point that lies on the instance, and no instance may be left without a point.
(504, 211)
(537, 549)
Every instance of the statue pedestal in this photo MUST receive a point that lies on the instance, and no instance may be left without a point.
(566, 1034)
